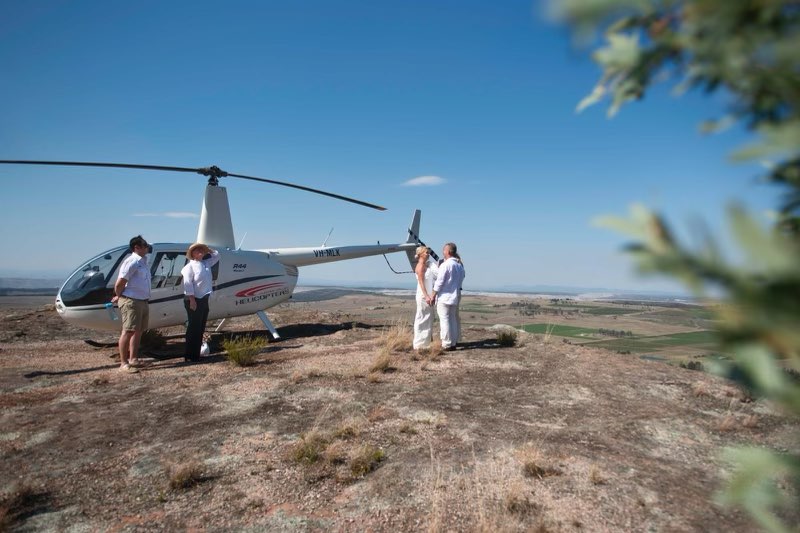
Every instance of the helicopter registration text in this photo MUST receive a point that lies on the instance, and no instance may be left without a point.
(331, 252)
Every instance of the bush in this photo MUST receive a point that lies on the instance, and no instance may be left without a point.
(507, 337)
(242, 351)
(365, 460)
(185, 475)
(152, 339)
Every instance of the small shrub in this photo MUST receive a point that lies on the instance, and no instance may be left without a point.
(692, 365)
(185, 475)
(507, 337)
(365, 460)
(152, 339)
(242, 351)
(310, 448)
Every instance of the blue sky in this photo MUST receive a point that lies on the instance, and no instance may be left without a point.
(354, 97)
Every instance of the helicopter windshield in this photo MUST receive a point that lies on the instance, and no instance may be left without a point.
(93, 283)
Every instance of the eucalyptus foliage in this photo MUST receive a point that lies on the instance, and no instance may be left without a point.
(747, 51)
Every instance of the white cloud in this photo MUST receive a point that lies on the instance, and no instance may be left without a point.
(169, 214)
(424, 181)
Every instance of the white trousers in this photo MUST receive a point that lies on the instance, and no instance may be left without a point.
(449, 324)
(423, 325)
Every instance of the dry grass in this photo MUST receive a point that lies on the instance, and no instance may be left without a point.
(701, 389)
(397, 338)
(596, 476)
(728, 423)
(750, 421)
(487, 495)
(548, 333)
(381, 363)
(185, 475)
(518, 500)
(336, 453)
(408, 428)
(380, 412)
(534, 462)
(349, 428)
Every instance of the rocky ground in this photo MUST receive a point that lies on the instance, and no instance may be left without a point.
(340, 426)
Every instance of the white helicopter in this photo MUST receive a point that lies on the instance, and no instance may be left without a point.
(245, 281)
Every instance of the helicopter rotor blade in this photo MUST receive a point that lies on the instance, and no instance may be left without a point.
(213, 172)
(309, 189)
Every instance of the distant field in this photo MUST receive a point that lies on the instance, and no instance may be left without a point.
(696, 339)
(561, 330)
(478, 308)
(610, 310)
(681, 317)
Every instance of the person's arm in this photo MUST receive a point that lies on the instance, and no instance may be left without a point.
(420, 271)
(119, 286)
(444, 272)
(213, 260)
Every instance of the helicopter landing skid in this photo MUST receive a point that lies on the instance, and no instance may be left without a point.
(263, 316)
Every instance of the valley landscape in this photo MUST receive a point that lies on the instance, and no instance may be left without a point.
(594, 420)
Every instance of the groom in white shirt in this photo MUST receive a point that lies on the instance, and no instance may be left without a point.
(446, 294)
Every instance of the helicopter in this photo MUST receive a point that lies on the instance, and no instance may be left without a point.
(245, 282)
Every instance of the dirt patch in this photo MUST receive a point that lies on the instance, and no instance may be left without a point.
(541, 435)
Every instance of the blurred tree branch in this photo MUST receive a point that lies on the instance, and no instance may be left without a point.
(749, 51)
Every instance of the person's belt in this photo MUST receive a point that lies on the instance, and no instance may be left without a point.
(137, 299)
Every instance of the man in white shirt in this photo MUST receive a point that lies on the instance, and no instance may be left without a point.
(132, 291)
(446, 294)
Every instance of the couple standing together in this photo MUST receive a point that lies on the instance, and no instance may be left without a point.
(132, 294)
(438, 286)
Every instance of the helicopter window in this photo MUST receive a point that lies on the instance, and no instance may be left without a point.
(167, 269)
(93, 283)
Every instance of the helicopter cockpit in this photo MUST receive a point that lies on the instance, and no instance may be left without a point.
(93, 283)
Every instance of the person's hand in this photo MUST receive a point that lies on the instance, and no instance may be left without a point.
(114, 299)
(193, 305)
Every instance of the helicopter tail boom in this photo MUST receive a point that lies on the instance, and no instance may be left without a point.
(313, 256)
(328, 254)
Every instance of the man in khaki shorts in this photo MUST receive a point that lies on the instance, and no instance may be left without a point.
(132, 291)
